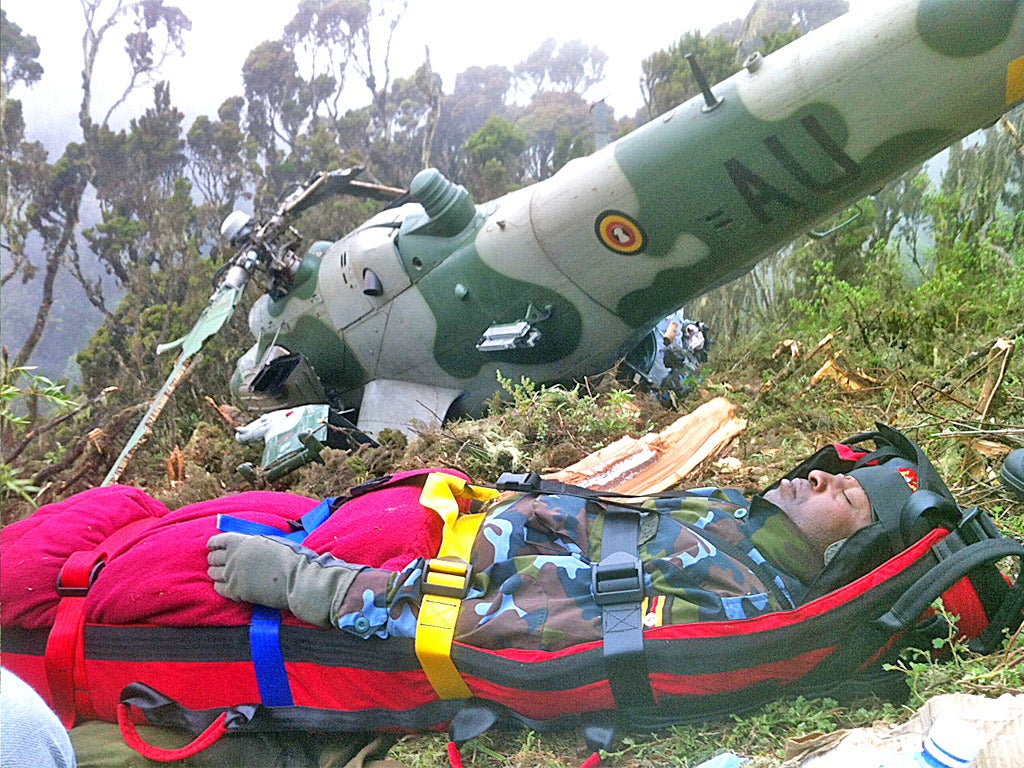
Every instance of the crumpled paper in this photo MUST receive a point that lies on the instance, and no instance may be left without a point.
(1000, 722)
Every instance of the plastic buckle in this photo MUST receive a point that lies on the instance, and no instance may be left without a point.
(369, 485)
(525, 481)
(78, 574)
(977, 526)
(618, 579)
(446, 578)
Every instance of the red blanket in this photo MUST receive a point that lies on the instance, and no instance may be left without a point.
(158, 576)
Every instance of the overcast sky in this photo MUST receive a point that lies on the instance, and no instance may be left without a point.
(459, 34)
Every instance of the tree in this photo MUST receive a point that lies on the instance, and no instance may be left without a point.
(152, 32)
(415, 105)
(557, 126)
(20, 54)
(24, 171)
(479, 94)
(577, 66)
(294, 86)
(494, 158)
(23, 162)
(770, 24)
(136, 175)
(574, 67)
(156, 35)
(900, 215)
(533, 70)
(277, 108)
(327, 34)
(981, 170)
(220, 158)
(1012, 125)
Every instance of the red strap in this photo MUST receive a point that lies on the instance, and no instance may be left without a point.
(454, 755)
(65, 648)
(131, 736)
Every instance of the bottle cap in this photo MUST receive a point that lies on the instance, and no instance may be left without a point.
(952, 742)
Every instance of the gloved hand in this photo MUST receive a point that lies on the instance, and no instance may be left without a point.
(277, 573)
(252, 569)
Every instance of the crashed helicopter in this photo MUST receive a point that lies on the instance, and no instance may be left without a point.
(419, 308)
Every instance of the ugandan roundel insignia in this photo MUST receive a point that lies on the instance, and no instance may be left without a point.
(619, 232)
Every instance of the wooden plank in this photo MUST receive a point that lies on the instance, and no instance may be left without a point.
(662, 460)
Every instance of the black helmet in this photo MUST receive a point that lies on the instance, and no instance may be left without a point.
(908, 497)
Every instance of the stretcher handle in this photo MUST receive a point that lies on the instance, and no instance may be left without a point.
(916, 600)
(131, 736)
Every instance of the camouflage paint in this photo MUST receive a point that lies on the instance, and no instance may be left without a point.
(333, 360)
(958, 29)
(488, 300)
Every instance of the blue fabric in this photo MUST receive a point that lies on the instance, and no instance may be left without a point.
(265, 645)
(265, 627)
(316, 516)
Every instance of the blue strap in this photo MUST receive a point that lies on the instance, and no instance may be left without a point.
(265, 626)
(316, 516)
(267, 658)
(230, 524)
(309, 522)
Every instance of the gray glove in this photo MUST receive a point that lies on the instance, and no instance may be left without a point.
(278, 573)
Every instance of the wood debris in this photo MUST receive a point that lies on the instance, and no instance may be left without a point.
(794, 347)
(660, 461)
(228, 413)
(846, 379)
(175, 467)
(796, 357)
(998, 363)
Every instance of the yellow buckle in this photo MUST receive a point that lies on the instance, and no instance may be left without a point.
(444, 582)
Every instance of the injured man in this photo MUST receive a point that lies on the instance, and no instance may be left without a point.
(703, 555)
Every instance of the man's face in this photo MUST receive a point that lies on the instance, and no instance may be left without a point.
(825, 507)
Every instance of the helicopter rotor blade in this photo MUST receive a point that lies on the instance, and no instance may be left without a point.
(339, 182)
(221, 307)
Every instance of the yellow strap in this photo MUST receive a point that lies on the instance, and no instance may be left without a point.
(1015, 81)
(446, 580)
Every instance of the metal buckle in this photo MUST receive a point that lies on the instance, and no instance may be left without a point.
(444, 568)
(617, 579)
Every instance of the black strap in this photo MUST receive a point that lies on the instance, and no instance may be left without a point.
(532, 483)
(618, 587)
(951, 569)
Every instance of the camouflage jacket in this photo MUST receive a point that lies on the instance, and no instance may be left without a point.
(705, 558)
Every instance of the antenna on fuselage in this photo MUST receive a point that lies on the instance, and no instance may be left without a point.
(710, 100)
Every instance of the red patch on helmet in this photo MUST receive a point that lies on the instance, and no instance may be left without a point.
(910, 476)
